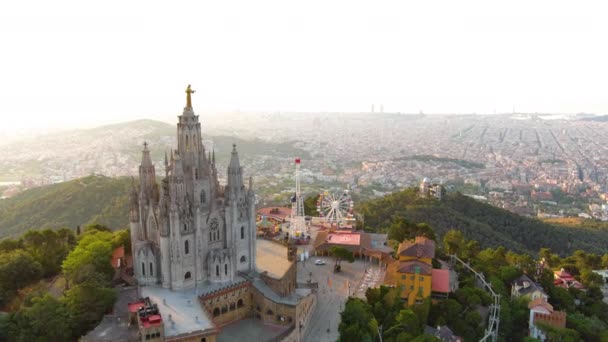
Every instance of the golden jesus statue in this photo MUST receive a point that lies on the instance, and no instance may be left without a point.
(188, 97)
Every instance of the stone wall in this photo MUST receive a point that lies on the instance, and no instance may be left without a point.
(271, 312)
(304, 313)
(286, 284)
(230, 305)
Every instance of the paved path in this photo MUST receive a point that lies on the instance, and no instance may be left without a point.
(333, 292)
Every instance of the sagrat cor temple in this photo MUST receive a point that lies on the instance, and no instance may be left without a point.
(189, 230)
(194, 253)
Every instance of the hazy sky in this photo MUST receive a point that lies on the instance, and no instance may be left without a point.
(65, 64)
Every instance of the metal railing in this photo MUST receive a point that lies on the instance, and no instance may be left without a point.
(491, 332)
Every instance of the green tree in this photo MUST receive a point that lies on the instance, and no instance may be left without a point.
(406, 322)
(426, 338)
(453, 242)
(92, 254)
(605, 260)
(17, 269)
(9, 245)
(590, 278)
(86, 303)
(122, 238)
(49, 319)
(356, 321)
(401, 229)
(97, 227)
(341, 253)
(559, 334)
(310, 205)
(49, 248)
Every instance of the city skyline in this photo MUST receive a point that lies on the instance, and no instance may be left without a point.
(69, 64)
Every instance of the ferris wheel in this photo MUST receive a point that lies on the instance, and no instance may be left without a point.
(336, 208)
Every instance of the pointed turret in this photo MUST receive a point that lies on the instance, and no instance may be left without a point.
(235, 172)
(250, 192)
(178, 170)
(166, 165)
(134, 204)
(147, 177)
(145, 156)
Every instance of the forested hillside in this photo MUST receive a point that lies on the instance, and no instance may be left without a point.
(489, 225)
(93, 199)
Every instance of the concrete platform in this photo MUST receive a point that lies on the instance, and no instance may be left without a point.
(271, 257)
(250, 330)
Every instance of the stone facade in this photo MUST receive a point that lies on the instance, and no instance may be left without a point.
(285, 285)
(188, 230)
(229, 305)
(192, 237)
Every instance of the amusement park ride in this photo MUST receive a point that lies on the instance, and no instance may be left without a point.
(297, 225)
(336, 209)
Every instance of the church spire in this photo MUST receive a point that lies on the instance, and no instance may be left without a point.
(235, 166)
(166, 165)
(147, 176)
(235, 173)
(145, 156)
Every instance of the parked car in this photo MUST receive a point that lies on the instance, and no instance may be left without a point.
(319, 262)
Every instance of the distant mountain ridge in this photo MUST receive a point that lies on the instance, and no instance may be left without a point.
(490, 226)
(115, 150)
(93, 199)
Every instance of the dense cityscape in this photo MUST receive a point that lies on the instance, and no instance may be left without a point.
(318, 171)
(531, 164)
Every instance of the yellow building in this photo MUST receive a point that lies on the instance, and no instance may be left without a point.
(413, 269)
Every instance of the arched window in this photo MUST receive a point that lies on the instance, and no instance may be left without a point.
(187, 144)
(185, 227)
(187, 275)
(239, 303)
(226, 269)
(151, 270)
(196, 173)
(186, 247)
(242, 232)
(203, 196)
(217, 270)
(232, 306)
(216, 312)
(210, 237)
(143, 268)
(243, 259)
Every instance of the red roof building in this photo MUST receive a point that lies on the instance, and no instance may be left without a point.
(277, 213)
(440, 281)
(565, 280)
(542, 312)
